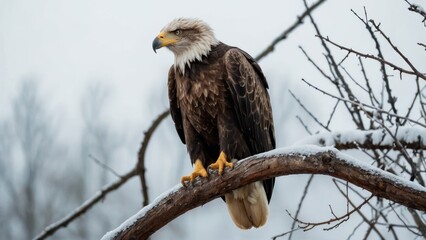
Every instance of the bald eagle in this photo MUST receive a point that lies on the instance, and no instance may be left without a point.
(221, 110)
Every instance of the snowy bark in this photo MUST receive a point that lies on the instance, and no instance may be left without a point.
(280, 162)
(408, 137)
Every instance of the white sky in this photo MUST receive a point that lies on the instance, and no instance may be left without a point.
(69, 44)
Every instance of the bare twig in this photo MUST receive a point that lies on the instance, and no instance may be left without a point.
(103, 165)
(366, 55)
(361, 105)
(404, 223)
(417, 9)
(309, 112)
(51, 229)
(332, 113)
(373, 98)
(357, 209)
(285, 34)
(339, 82)
(391, 99)
(304, 125)
(283, 234)
(380, 212)
(299, 207)
(140, 166)
(395, 48)
(306, 226)
(315, 65)
(421, 226)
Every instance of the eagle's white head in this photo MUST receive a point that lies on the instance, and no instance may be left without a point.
(188, 38)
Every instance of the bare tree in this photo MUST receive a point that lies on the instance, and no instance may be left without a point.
(29, 139)
(382, 119)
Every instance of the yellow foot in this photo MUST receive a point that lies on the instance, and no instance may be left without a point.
(199, 170)
(221, 162)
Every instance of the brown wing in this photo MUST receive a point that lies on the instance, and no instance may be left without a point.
(174, 106)
(248, 88)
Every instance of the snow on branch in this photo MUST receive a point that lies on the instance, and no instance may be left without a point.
(286, 161)
(409, 137)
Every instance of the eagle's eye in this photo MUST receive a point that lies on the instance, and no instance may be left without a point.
(178, 32)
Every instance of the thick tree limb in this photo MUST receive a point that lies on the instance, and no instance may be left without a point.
(299, 160)
(409, 137)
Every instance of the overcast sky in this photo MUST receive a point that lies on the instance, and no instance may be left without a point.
(67, 45)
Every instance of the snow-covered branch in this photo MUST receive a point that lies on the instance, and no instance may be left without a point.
(409, 137)
(286, 161)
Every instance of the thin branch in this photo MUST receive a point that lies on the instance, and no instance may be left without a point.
(315, 65)
(306, 226)
(103, 165)
(140, 166)
(358, 209)
(283, 234)
(304, 125)
(308, 112)
(403, 222)
(299, 207)
(380, 212)
(395, 48)
(299, 160)
(371, 56)
(285, 34)
(362, 105)
(417, 219)
(391, 99)
(373, 98)
(340, 81)
(421, 96)
(417, 9)
(416, 95)
(332, 113)
(51, 229)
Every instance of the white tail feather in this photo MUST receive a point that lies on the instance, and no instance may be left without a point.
(248, 206)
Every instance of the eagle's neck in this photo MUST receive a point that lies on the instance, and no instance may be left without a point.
(195, 52)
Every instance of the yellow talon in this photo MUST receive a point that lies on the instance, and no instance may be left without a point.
(199, 170)
(221, 162)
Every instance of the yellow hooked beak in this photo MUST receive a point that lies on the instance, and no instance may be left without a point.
(163, 39)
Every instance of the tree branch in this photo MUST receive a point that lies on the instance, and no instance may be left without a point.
(140, 166)
(414, 71)
(409, 137)
(285, 34)
(417, 9)
(280, 162)
(51, 229)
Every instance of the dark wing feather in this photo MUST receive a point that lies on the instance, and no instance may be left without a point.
(248, 88)
(174, 106)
